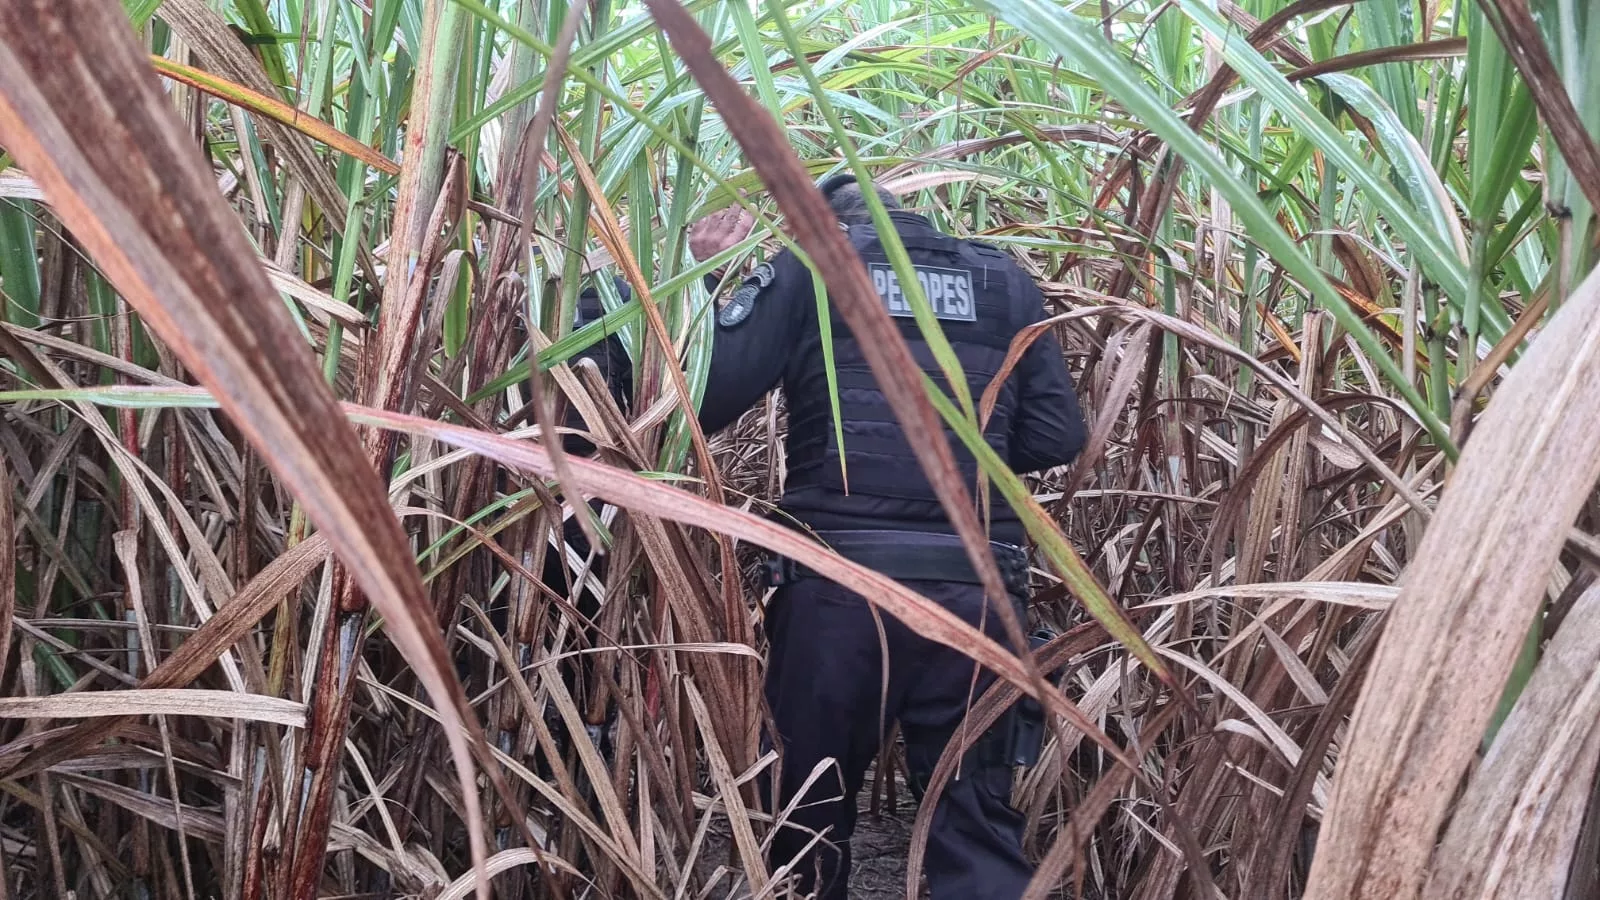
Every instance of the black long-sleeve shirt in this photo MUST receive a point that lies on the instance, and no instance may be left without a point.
(778, 339)
(778, 343)
(750, 360)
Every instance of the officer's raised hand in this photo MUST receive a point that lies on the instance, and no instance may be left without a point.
(719, 231)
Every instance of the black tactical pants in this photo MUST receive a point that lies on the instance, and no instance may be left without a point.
(825, 686)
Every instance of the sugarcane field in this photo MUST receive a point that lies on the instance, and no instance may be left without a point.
(799, 450)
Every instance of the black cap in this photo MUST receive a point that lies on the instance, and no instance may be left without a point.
(833, 182)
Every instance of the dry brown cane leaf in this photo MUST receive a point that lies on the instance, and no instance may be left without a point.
(82, 112)
(1470, 597)
(1515, 830)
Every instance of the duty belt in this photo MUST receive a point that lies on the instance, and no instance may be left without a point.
(909, 556)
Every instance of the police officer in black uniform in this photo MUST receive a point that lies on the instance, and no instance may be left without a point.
(825, 677)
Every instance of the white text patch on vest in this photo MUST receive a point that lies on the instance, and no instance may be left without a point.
(949, 292)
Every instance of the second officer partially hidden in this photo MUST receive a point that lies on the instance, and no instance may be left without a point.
(826, 674)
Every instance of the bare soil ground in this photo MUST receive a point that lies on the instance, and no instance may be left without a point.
(878, 849)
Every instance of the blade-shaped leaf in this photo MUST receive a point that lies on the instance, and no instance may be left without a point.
(1469, 598)
(1072, 39)
(1515, 829)
(81, 111)
(631, 491)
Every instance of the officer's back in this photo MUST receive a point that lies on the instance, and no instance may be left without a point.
(981, 299)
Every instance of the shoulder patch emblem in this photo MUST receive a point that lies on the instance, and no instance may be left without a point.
(743, 301)
(949, 292)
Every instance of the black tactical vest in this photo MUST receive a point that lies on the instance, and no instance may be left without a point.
(972, 289)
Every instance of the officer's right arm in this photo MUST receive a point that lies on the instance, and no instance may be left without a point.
(748, 358)
(1048, 428)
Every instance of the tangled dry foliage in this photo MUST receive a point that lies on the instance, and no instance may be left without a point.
(1323, 578)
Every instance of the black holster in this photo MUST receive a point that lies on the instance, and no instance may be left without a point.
(1017, 737)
